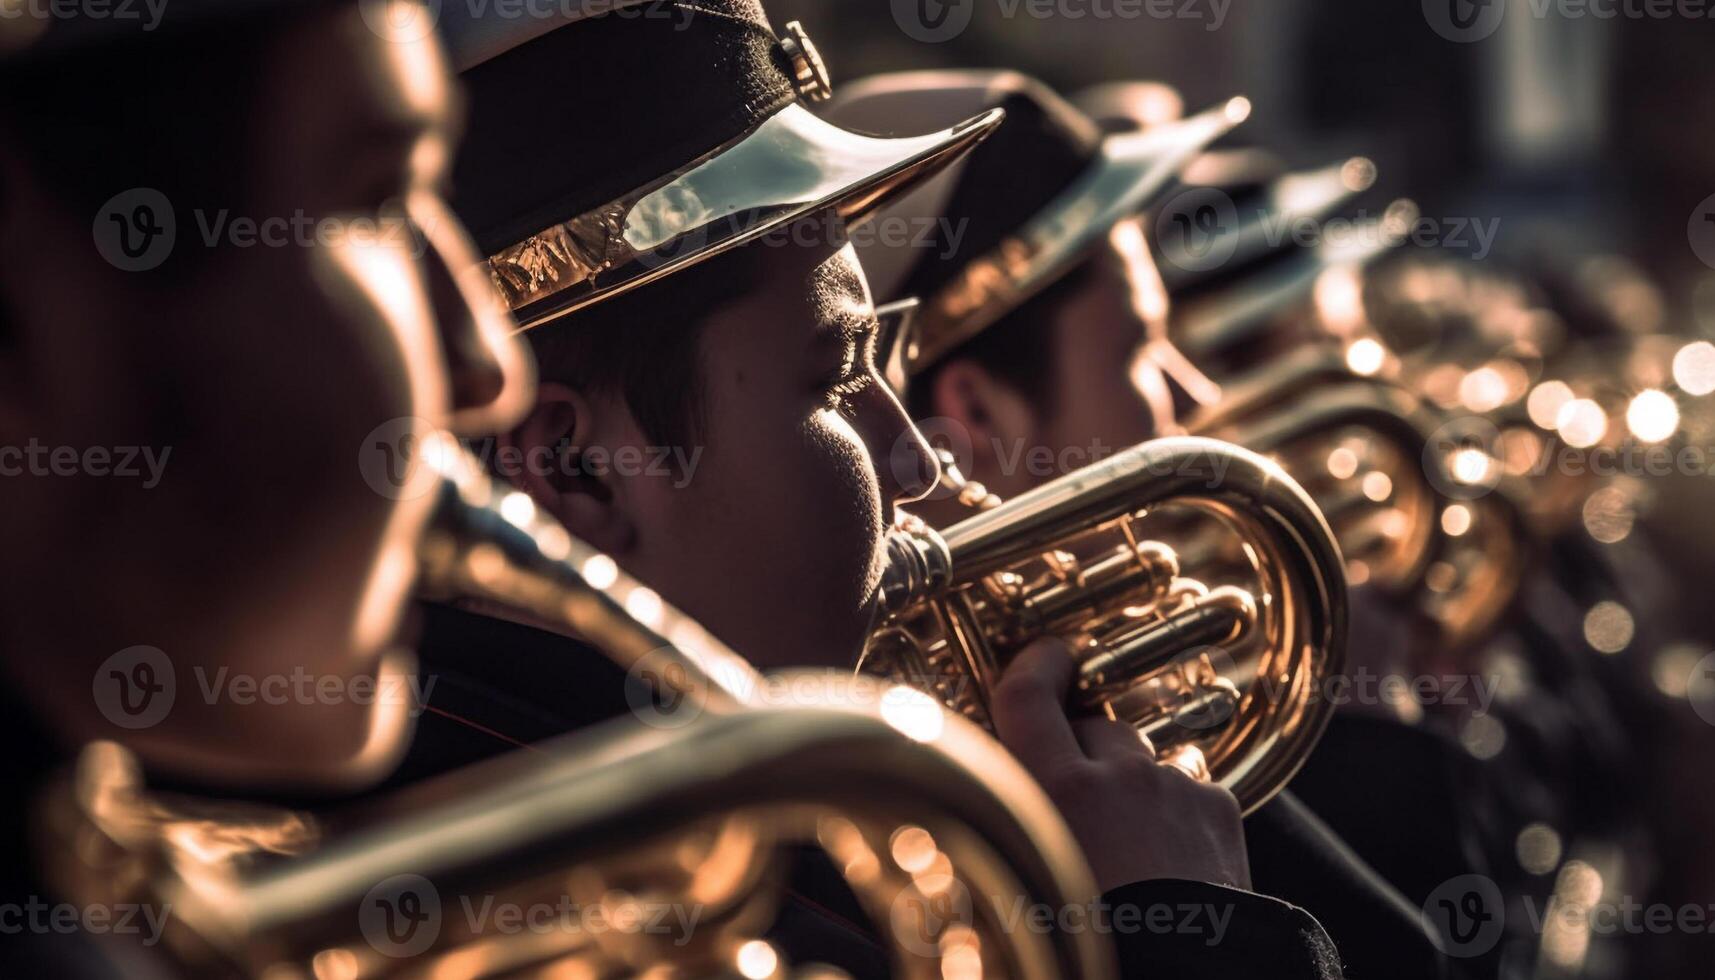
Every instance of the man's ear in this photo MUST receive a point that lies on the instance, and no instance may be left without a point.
(997, 417)
(545, 455)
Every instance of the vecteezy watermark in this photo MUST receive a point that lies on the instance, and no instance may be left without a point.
(1466, 21)
(403, 915)
(1463, 457)
(1041, 462)
(405, 21)
(137, 688)
(137, 230)
(1465, 915)
(827, 229)
(936, 21)
(37, 916)
(1200, 229)
(1701, 231)
(937, 906)
(120, 462)
(402, 459)
(144, 13)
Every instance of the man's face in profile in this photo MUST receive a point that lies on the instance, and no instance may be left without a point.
(269, 369)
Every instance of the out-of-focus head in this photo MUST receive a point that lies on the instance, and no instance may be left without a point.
(676, 245)
(233, 289)
(1042, 309)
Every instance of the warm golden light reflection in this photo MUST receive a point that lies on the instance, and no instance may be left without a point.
(756, 960)
(1546, 401)
(1653, 416)
(553, 541)
(1673, 670)
(1358, 174)
(518, 508)
(962, 963)
(1357, 572)
(913, 849)
(600, 571)
(1456, 520)
(644, 605)
(1483, 390)
(334, 964)
(1609, 515)
(1539, 848)
(1581, 423)
(1694, 368)
(1520, 449)
(1377, 486)
(1339, 297)
(1365, 356)
(1566, 936)
(1441, 577)
(913, 713)
(1441, 384)
(1609, 627)
(1472, 466)
(1343, 463)
(1483, 736)
(1238, 109)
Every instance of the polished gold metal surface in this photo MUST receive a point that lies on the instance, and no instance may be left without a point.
(1231, 662)
(1386, 472)
(692, 823)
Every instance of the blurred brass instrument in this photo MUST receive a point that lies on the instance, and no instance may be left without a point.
(632, 850)
(1412, 517)
(1231, 663)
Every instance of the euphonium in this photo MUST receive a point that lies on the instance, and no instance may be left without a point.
(1231, 666)
(580, 844)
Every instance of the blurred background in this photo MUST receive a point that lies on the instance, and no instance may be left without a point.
(1583, 133)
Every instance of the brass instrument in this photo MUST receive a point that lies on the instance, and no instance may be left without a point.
(1411, 515)
(631, 850)
(1232, 667)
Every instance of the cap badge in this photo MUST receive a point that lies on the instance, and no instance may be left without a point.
(809, 72)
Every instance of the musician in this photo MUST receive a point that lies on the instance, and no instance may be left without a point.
(1074, 356)
(239, 377)
(751, 343)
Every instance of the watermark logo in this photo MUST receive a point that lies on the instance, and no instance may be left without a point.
(1459, 458)
(1700, 689)
(933, 21)
(401, 21)
(401, 916)
(1464, 21)
(1195, 228)
(136, 229)
(663, 691)
(135, 687)
(924, 912)
(391, 458)
(1701, 231)
(1466, 915)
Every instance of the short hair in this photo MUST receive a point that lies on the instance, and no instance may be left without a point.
(1018, 349)
(646, 345)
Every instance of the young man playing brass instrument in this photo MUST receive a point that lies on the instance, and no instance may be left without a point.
(676, 250)
(1068, 357)
(254, 549)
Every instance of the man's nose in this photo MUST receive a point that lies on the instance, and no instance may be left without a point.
(490, 372)
(908, 467)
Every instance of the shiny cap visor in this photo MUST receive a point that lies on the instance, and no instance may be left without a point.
(790, 166)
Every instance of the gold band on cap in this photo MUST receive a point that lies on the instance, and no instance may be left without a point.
(1130, 168)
